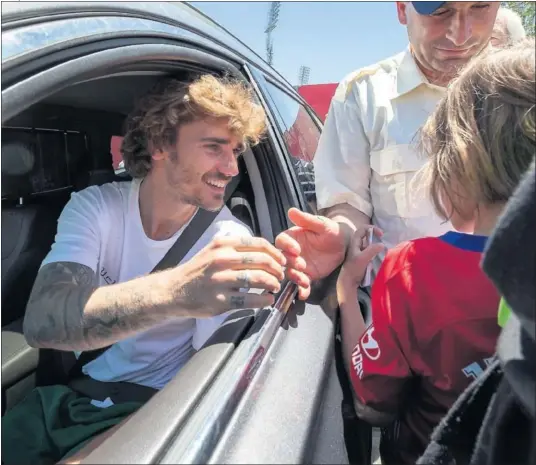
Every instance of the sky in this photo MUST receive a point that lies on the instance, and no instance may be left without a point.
(331, 38)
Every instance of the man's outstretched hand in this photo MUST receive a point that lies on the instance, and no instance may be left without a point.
(321, 243)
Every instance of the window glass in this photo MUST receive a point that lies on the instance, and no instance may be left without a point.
(301, 135)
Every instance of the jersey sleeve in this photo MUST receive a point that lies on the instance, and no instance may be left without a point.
(380, 369)
(78, 238)
(342, 160)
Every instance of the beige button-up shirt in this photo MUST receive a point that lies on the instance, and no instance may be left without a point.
(368, 154)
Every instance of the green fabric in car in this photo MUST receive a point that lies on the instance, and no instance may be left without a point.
(54, 422)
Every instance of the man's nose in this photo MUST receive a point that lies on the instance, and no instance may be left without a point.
(461, 29)
(229, 166)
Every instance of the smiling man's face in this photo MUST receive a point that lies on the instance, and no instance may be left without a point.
(202, 162)
(445, 41)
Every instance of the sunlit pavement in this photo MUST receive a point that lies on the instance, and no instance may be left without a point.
(376, 446)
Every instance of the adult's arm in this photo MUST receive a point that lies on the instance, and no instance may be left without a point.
(68, 311)
(342, 161)
(349, 217)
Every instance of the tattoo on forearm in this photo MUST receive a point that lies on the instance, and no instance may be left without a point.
(56, 315)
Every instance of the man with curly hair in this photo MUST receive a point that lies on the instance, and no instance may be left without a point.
(95, 288)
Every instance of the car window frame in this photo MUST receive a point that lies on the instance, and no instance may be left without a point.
(187, 18)
(257, 78)
(300, 100)
(27, 91)
(264, 80)
(292, 159)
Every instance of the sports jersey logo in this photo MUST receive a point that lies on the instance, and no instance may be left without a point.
(357, 361)
(369, 345)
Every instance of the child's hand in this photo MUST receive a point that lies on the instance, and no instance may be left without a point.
(360, 253)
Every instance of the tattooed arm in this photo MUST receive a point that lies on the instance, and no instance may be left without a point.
(67, 311)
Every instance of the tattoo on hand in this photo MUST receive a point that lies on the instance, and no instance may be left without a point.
(247, 259)
(246, 241)
(237, 301)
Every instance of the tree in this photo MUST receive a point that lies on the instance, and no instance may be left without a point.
(527, 11)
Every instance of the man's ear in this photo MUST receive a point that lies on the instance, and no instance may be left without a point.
(401, 9)
(159, 154)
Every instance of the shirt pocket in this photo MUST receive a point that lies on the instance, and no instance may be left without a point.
(392, 191)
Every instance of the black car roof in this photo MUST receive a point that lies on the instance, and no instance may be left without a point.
(177, 13)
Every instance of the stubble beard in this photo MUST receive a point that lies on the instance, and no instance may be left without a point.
(176, 187)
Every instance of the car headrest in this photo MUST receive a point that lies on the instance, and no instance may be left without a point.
(18, 162)
(18, 159)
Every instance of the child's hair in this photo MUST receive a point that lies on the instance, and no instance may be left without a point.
(482, 136)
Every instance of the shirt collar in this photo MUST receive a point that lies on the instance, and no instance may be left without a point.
(409, 76)
(469, 242)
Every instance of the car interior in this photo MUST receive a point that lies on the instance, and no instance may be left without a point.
(59, 146)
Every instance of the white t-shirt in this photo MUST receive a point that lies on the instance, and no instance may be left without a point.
(100, 227)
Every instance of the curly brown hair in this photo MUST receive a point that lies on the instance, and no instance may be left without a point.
(482, 136)
(153, 124)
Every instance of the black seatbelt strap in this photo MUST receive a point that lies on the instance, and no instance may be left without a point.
(191, 234)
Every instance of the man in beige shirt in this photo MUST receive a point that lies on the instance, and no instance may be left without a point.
(368, 156)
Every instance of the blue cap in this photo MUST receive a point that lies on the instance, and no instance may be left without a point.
(427, 8)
